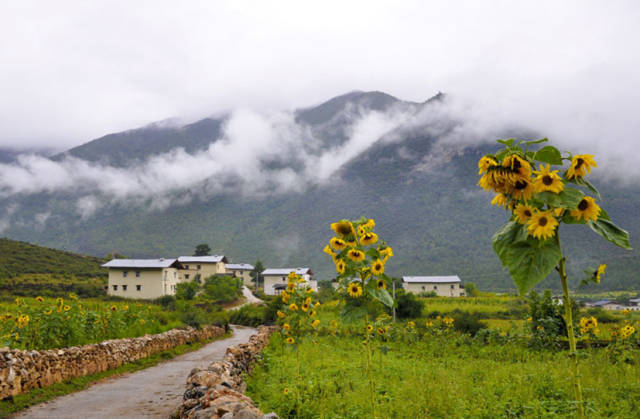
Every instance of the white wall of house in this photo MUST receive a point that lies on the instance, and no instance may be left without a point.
(442, 289)
(191, 269)
(145, 283)
(244, 274)
(271, 280)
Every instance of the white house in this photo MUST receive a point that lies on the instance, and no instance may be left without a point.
(273, 277)
(443, 286)
(240, 270)
(201, 267)
(143, 278)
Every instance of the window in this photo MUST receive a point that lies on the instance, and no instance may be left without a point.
(198, 267)
(423, 288)
(186, 276)
(137, 274)
(138, 287)
(186, 266)
(453, 286)
(115, 288)
(283, 279)
(435, 287)
(124, 274)
(124, 288)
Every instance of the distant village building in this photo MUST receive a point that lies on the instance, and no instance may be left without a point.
(240, 270)
(274, 279)
(143, 278)
(634, 304)
(201, 267)
(443, 286)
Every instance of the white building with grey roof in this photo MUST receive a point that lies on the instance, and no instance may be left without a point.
(274, 278)
(142, 278)
(443, 286)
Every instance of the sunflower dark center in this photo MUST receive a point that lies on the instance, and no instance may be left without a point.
(579, 163)
(527, 213)
(547, 180)
(583, 205)
(516, 165)
(521, 184)
(343, 229)
(543, 221)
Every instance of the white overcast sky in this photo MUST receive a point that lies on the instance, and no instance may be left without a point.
(71, 71)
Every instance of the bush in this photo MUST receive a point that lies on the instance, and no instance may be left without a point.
(248, 315)
(192, 316)
(547, 323)
(222, 289)
(187, 290)
(166, 301)
(466, 322)
(601, 315)
(409, 307)
(428, 294)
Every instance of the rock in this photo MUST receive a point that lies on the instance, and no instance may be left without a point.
(271, 415)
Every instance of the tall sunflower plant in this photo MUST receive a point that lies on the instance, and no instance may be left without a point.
(360, 258)
(541, 192)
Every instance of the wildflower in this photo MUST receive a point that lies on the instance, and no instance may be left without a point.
(309, 290)
(356, 255)
(291, 286)
(362, 231)
(540, 327)
(23, 321)
(281, 314)
(485, 163)
(48, 312)
(18, 302)
(318, 304)
(500, 200)
(285, 297)
(369, 238)
(587, 209)
(600, 272)
(286, 326)
(315, 323)
(523, 213)
(290, 340)
(548, 180)
(59, 301)
(448, 321)
(354, 290)
(343, 228)
(292, 276)
(293, 307)
(542, 225)
(142, 321)
(381, 285)
(337, 243)
(377, 268)
(626, 311)
(529, 319)
(580, 165)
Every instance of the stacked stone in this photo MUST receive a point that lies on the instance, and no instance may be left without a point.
(21, 371)
(216, 392)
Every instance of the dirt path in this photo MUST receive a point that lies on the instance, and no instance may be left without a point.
(249, 298)
(150, 393)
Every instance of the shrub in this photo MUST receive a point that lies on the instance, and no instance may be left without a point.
(166, 301)
(409, 307)
(187, 290)
(248, 315)
(192, 316)
(466, 322)
(222, 289)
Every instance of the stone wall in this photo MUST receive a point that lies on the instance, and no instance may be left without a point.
(21, 371)
(216, 392)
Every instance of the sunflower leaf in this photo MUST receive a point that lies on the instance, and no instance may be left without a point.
(584, 182)
(542, 140)
(508, 142)
(352, 313)
(528, 261)
(379, 294)
(549, 154)
(569, 198)
(611, 232)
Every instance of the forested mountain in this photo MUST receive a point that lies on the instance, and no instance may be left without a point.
(418, 184)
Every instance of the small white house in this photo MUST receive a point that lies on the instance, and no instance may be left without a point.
(201, 267)
(143, 278)
(443, 286)
(240, 270)
(274, 278)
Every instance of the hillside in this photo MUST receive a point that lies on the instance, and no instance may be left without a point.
(420, 189)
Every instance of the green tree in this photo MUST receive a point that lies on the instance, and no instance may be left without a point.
(255, 273)
(471, 289)
(187, 290)
(202, 249)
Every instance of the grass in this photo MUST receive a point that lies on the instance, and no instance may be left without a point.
(40, 395)
(440, 377)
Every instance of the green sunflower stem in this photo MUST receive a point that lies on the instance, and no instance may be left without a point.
(572, 339)
(370, 375)
(298, 376)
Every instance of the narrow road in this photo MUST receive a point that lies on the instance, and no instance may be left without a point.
(249, 298)
(151, 393)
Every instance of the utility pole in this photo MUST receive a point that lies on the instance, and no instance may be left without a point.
(394, 300)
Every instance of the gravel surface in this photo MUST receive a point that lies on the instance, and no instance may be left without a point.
(150, 393)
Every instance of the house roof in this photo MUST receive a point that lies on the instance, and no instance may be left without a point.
(239, 266)
(635, 300)
(202, 259)
(141, 263)
(286, 271)
(430, 279)
(601, 303)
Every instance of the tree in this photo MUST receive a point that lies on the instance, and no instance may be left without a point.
(202, 250)
(255, 273)
(471, 289)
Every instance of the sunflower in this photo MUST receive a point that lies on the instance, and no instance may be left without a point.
(518, 165)
(304, 307)
(281, 314)
(369, 224)
(600, 272)
(290, 340)
(369, 328)
(293, 307)
(48, 312)
(485, 163)
(292, 277)
(500, 200)
(411, 324)
(381, 285)
(498, 179)
(523, 213)
(381, 331)
(377, 268)
(369, 238)
(286, 326)
(291, 286)
(580, 166)
(315, 323)
(354, 290)
(337, 243)
(285, 297)
(312, 313)
(67, 308)
(547, 180)
(356, 255)
(40, 299)
(285, 391)
(329, 251)
(386, 252)
(340, 266)
(362, 231)
(523, 189)
(587, 209)
(542, 225)
(343, 228)
(113, 308)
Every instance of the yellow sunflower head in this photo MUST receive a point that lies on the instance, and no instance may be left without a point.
(343, 228)
(329, 251)
(386, 252)
(337, 243)
(293, 307)
(600, 272)
(369, 328)
(355, 255)
(500, 200)
(354, 289)
(281, 314)
(370, 224)
(547, 180)
(290, 340)
(114, 308)
(286, 326)
(304, 306)
(485, 163)
(523, 213)
(542, 225)
(40, 299)
(580, 165)
(369, 238)
(381, 331)
(518, 165)
(377, 268)
(381, 285)
(291, 286)
(587, 209)
(67, 308)
(362, 230)
(340, 266)
(523, 189)
(285, 391)
(315, 323)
